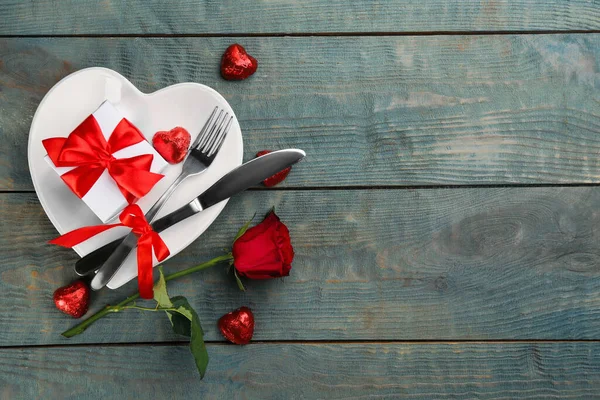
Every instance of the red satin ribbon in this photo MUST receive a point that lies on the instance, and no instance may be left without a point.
(133, 217)
(88, 151)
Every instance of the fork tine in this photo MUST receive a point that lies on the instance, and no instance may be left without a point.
(221, 138)
(204, 129)
(215, 136)
(208, 136)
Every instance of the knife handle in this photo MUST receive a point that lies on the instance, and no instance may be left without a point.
(91, 262)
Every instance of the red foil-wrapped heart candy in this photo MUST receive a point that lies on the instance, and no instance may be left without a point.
(236, 64)
(237, 326)
(172, 145)
(73, 299)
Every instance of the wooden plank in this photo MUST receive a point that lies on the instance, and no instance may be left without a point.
(451, 264)
(369, 111)
(307, 371)
(46, 17)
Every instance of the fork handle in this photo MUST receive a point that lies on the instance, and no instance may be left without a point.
(165, 196)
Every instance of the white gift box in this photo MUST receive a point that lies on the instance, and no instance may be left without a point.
(104, 198)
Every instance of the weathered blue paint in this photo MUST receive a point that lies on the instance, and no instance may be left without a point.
(445, 264)
(111, 17)
(368, 111)
(306, 371)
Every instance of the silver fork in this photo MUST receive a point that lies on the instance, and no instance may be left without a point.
(201, 154)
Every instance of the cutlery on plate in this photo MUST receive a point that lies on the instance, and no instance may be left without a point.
(248, 174)
(201, 154)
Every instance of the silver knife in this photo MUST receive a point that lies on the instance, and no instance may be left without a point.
(241, 178)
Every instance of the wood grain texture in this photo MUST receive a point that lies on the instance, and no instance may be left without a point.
(439, 264)
(284, 371)
(47, 17)
(368, 111)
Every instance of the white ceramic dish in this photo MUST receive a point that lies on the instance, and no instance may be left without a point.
(186, 104)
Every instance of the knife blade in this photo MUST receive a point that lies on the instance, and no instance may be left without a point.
(241, 178)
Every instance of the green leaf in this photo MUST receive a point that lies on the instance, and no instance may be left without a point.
(160, 291)
(239, 281)
(184, 320)
(197, 346)
(182, 305)
(181, 323)
(244, 228)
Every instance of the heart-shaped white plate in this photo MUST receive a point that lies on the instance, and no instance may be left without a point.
(188, 105)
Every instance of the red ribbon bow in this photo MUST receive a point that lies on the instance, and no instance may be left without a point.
(133, 217)
(88, 151)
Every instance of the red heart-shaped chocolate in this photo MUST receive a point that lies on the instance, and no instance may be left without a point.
(237, 326)
(73, 299)
(278, 177)
(172, 145)
(236, 64)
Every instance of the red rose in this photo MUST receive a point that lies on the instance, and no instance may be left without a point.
(264, 251)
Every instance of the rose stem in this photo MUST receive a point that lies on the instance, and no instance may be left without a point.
(79, 328)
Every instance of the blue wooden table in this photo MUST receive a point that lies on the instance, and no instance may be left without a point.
(446, 221)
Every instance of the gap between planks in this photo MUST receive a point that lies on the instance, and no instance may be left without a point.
(391, 187)
(309, 342)
(309, 34)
